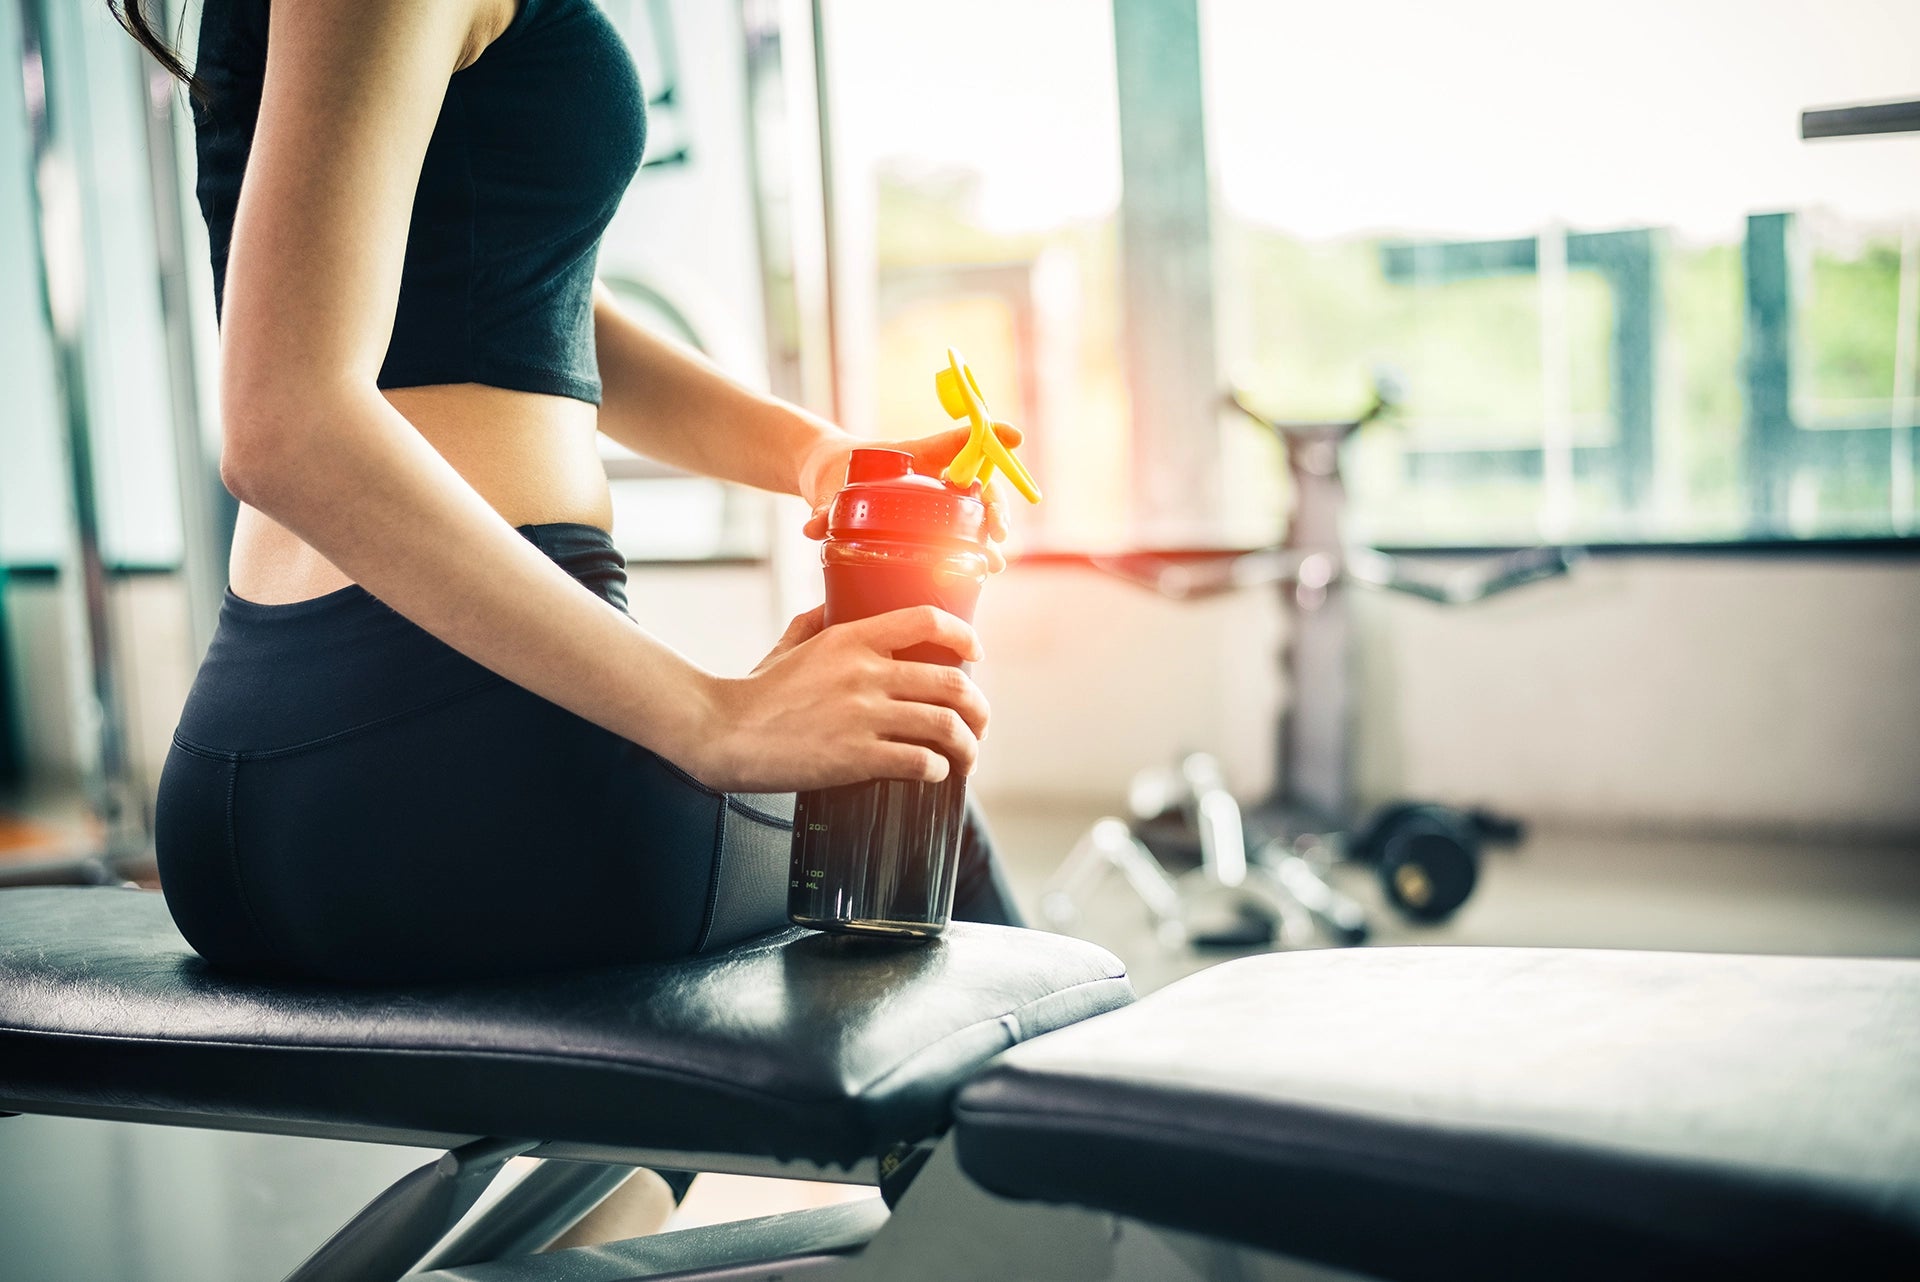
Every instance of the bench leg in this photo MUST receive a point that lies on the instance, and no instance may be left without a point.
(796, 1246)
(548, 1202)
(390, 1235)
(943, 1228)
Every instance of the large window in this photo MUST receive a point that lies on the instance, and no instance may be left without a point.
(977, 175)
(1627, 302)
(1623, 299)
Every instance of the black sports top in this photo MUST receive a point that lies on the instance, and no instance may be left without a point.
(535, 144)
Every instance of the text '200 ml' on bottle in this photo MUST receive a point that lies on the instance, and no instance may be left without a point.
(879, 858)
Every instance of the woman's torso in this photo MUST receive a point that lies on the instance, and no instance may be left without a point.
(492, 358)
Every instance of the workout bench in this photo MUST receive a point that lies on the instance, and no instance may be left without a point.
(1397, 1113)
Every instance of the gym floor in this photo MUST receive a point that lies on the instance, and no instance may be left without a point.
(148, 1204)
(1563, 888)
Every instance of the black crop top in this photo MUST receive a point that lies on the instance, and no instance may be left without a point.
(535, 144)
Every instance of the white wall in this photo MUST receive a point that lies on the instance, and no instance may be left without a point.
(1723, 692)
(1709, 692)
(1091, 679)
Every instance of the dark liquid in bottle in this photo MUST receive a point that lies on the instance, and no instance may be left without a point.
(877, 858)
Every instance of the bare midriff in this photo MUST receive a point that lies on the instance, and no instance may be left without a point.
(533, 458)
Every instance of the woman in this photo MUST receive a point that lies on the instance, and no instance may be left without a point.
(427, 741)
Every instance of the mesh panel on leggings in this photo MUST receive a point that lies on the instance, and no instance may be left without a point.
(750, 877)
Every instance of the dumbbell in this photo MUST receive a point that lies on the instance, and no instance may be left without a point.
(1427, 857)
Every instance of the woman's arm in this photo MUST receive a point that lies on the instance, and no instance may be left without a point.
(352, 90)
(664, 400)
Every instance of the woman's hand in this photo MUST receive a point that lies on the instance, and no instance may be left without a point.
(833, 706)
(826, 471)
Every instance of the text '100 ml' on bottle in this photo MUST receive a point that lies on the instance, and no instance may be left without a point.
(880, 858)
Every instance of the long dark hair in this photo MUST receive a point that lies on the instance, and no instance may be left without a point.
(133, 18)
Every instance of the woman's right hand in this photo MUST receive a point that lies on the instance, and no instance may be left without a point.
(833, 706)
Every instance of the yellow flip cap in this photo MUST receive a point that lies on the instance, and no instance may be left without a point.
(960, 397)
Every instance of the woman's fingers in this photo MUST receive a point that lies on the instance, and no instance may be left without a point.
(832, 705)
(919, 625)
(941, 729)
(931, 454)
(887, 760)
(816, 526)
(934, 683)
(803, 627)
(938, 450)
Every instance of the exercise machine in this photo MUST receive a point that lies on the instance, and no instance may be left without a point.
(1394, 1113)
(1272, 882)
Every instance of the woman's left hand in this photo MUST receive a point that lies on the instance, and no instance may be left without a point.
(826, 472)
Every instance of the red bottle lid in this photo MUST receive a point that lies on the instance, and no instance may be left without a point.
(884, 496)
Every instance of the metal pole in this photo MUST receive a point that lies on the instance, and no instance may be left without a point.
(1556, 386)
(772, 192)
(1767, 369)
(57, 245)
(1861, 120)
(823, 128)
(203, 543)
(794, 264)
(1906, 355)
(1166, 272)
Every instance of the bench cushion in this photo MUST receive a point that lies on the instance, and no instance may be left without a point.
(1444, 1113)
(792, 1046)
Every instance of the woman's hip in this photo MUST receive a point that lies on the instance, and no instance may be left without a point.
(348, 796)
(493, 833)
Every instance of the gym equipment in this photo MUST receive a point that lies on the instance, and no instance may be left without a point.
(880, 857)
(1426, 855)
(1223, 899)
(1417, 1114)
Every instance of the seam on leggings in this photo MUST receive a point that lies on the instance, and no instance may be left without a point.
(752, 812)
(685, 777)
(309, 745)
(713, 880)
(233, 859)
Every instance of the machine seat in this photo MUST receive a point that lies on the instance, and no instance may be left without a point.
(791, 1046)
(1442, 1113)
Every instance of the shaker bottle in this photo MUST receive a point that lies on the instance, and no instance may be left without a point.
(879, 858)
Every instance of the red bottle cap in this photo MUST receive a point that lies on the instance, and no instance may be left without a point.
(885, 496)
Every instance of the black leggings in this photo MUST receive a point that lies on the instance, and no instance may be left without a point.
(348, 798)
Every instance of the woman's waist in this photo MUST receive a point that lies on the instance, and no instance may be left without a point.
(535, 460)
(282, 676)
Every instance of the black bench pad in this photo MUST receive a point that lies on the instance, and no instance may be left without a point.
(1444, 1113)
(792, 1046)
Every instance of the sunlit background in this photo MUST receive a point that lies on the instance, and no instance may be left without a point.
(1622, 306)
